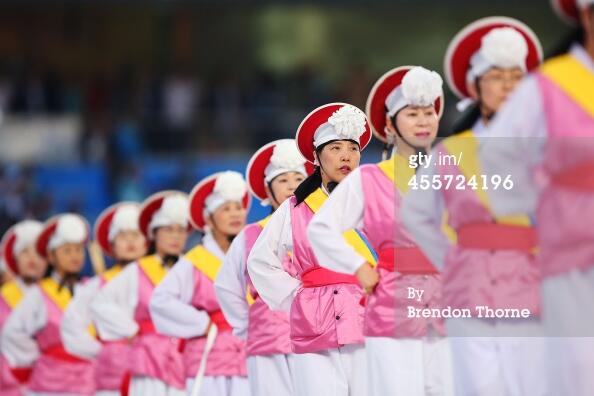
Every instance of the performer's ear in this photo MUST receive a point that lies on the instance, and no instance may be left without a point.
(587, 20)
(471, 86)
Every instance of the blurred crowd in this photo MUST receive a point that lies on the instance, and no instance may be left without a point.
(136, 110)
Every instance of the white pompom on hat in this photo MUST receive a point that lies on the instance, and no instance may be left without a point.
(60, 230)
(332, 121)
(173, 211)
(17, 239)
(229, 187)
(120, 217)
(70, 228)
(420, 87)
(272, 160)
(125, 218)
(489, 42)
(346, 123)
(503, 47)
(212, 192)
(285, 158)
(26, 234)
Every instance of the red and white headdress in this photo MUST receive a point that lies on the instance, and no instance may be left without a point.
(60, 230)
(272, 160)
(401, 87)
(163, 209)
(18, 238)
(212, 192)
(117, 218)
(334, 121)
(489, 42)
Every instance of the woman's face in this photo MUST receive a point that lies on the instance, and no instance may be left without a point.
(418, 125)
(494, 87)
(68, 258)
(30, 264)
(228, 219)
(283, 186)
(339, 158)
(129, 246)
(170, 240)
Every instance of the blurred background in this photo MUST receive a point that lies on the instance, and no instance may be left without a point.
(102, 101)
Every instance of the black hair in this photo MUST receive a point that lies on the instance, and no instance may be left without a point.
(170, 259)
(472, 114)
(309, 185)
(314, 181)
(575, 35)
(152, 248)
(467, 120)
(48, 271)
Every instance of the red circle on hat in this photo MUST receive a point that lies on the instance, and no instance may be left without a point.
(319, 116)
(376, 101)
(149, 208)
(256, 178)
(198, 196)
(103, 224)
(468, 41)
(49, 228)
(8, 242)
(567, 10)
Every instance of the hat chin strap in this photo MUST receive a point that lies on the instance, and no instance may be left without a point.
(388, 145)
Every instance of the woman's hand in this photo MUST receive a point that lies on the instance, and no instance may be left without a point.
(368, 277)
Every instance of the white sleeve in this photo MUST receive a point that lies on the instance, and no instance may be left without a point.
(112, 308)
(265, 262)
(515, 147)
(76, 321)
(29, 317)
(342, 211)
(231, 287)
(422, 213)
(171, 308)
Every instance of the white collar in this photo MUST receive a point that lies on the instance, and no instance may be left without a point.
(479, 128)
(22, 285)
(210, 244)
(579, 52)
(56, 277)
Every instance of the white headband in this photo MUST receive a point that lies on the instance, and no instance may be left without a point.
(70, 229)
(174, 210)
(347, 123)
(26, 233)
(125, 218)
(420, 87)
(582, 4)
(229, 187)
(502, 47)
(285, 158)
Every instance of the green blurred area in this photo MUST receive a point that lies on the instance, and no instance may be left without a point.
(206, 38)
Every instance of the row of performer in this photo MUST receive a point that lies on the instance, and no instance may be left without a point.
(345, 287)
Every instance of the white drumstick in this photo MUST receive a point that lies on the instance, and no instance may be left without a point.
(210, 339)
